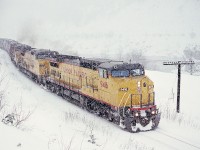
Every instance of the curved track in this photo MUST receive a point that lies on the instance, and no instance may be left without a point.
(171, 141)
(160, 131)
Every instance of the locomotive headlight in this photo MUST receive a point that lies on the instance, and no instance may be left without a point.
(138, 84)
(153, 112)
(136, 114)
(151, 86)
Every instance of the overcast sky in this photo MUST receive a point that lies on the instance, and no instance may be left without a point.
(58, 20)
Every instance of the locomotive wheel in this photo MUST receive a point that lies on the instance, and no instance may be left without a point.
(52, 89)
(110, 117)
(57, 90)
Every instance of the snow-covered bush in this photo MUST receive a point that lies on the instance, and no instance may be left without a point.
(134, 144)
(2, 104)
(168, 112)
(59, 143)
(16, 117)
(92, 138)
(192, 53)
(20, 115)
(2, 91)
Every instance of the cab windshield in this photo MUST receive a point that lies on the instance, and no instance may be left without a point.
(137, 72)
(120, 73)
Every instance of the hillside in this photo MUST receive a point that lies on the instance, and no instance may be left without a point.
(106, 28)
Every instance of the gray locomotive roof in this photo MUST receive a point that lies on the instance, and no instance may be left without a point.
(38, 51)
(107, 65)
(101, 60)
(119, 66)
(67, 57)
(43, 51)
(23, 47)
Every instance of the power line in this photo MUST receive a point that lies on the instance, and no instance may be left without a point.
(179, 63)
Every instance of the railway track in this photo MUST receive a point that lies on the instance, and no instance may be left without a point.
(170, 141)
(160, 131)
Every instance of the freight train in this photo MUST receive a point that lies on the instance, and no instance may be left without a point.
(115, 90)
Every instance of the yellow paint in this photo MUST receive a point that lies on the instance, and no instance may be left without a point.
(38, 67)
(88, 82)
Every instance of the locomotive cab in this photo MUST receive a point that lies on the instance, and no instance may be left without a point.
(134, 88)
(131, 93)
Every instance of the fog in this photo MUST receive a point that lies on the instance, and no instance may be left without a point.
(103, 28)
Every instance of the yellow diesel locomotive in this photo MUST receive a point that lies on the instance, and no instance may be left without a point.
(115, 90)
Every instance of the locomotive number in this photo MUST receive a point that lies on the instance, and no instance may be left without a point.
(104, 84)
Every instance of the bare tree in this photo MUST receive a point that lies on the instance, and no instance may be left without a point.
(136, 56)
(17, 115)
(20, 115)
(192, 53)
(2, 103)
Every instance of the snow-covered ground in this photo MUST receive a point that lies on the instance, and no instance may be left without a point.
(56, 124)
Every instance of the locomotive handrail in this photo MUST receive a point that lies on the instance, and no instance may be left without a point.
(153, 97)
(140, 99)
(121, 102)
(125, 103)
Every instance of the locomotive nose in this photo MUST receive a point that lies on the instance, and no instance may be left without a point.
(145, 90)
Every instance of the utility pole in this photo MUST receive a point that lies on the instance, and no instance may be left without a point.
(179, 63)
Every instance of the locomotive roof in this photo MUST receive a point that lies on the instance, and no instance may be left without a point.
(97, 60)
(67, 57)
(92, 63)
(43, 51)
(75, 60)
(23, 47)
(39, 51)
(119, 66)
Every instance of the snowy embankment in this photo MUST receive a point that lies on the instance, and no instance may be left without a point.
(56, 124)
